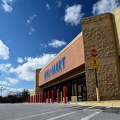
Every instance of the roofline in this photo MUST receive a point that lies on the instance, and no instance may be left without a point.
(79, 35)
(116, 9)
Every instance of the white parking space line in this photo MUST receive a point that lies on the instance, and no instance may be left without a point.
(90, 116)
(88, 108)
(61, 116)
(108, 107)
(38, 114)
(43, 113)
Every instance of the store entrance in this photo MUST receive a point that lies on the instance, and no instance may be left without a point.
(75, 89)
(69, 91)
(81, 89)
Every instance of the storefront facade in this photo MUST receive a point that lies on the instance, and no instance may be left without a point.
(72, 67)
(67, 69)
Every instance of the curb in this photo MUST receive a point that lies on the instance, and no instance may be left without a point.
(102, 103)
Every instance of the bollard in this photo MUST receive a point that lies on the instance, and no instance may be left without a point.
(40, 98)
(61, 96)
(58, 95)
(31, 99)
(34, 98)
(37, 98)
(48, 96)
(28, 99)
(52, 96)
(45, 97)
(64, 91)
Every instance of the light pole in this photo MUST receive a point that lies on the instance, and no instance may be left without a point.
(97, 88)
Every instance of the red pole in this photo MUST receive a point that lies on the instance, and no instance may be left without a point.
(40, 98)
(34, 99)
(45, 97)
(28, 99)
(37, 98)
(58, 95)
(52, 96)
(48, 96)
(64, 91)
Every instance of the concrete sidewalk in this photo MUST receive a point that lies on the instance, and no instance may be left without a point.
(112, 103)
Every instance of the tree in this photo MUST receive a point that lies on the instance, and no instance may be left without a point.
(25, 94)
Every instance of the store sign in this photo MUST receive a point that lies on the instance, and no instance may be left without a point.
(58, 66)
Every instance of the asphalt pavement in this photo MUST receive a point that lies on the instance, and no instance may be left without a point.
(49, 111)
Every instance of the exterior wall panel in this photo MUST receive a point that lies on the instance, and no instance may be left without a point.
(99, 33)
(74, 57)
(117, 25)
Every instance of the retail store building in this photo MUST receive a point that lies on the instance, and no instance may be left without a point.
(72, 66)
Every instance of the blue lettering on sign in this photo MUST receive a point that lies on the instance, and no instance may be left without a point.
(58, 66)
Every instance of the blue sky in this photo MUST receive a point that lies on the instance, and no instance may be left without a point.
(32, 32)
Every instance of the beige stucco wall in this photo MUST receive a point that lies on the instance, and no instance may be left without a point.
(37, 89)
(99, 33)
(32, 93)
(117, 25)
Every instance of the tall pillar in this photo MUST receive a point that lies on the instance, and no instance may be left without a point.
(58, 95)
(64, 91)
(34, 99)
(48, 96)
(52, 96)
(61, 97)
(31, 99)
(45, 97)
(99, 34)
(28, 99)
(40, 98)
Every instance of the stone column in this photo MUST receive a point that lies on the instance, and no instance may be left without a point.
(99, 34)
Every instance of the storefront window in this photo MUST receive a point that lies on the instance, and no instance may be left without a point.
(73, 89)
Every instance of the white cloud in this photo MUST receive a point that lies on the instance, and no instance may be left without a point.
(9, 82)
(57, 43)
(4, 51)
(27, 70)
(4, 83)
(5, 67)
(73, 14)
(13, 81)
(7, 5)
(59, 3)
(103, 6)
(30, 19)
(48, 6)
(20, 60)
(31, 30)
(7, 90)
(43, 45)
